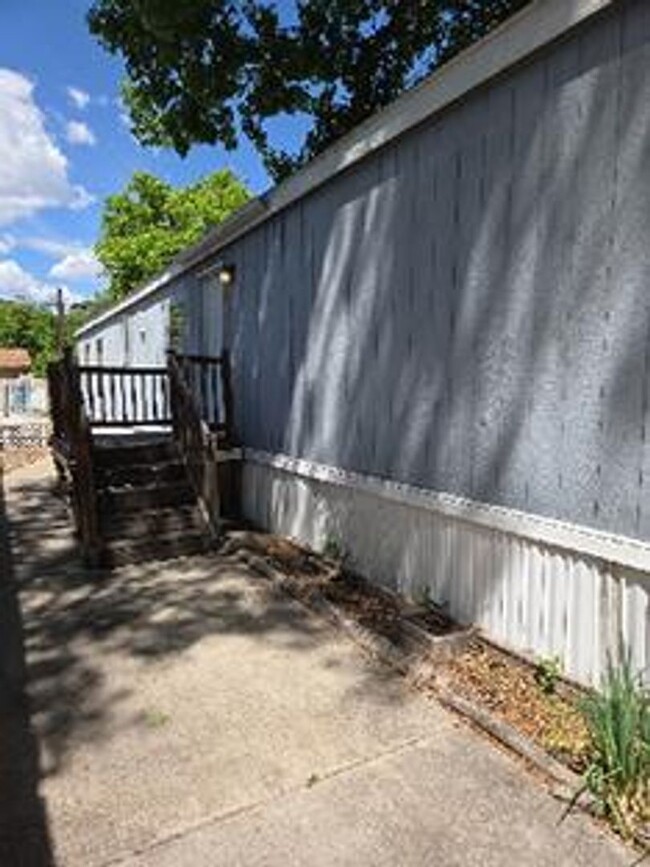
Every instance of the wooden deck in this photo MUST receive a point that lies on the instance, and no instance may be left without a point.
(183, 408)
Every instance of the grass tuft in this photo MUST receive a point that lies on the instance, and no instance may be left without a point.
(155, 719)
(618, 774)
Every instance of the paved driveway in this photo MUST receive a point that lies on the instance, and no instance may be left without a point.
(185, 714)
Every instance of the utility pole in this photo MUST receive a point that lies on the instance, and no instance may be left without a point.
(60, 322)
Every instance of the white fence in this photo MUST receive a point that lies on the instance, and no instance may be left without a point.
(24, 435)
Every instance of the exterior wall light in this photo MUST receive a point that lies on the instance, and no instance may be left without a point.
(226, 276)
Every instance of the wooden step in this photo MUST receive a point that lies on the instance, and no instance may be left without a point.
(138, 475)
(148, 510)
(127, 551)
(157, 451)
(150, 523)
(118, 499)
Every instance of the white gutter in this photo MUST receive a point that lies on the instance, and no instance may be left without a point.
(534, 27)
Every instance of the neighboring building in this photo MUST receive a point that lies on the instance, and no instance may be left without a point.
(14, 382)
(14, 362)
(440, 335)
(21, 395)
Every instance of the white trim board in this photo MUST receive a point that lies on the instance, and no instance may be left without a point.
(536, 26)
(577, 539)
(532, 597)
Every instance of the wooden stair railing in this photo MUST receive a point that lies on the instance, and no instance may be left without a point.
(208, 379)
(72, 448)
(198, 444)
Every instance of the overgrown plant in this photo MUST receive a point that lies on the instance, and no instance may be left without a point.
(547, 674)
(423, 596)
(333, 548)
(618, 775)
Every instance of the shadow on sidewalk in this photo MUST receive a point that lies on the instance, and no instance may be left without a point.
(87, 642)
(24, 833)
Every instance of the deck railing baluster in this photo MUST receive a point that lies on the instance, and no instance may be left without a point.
(131, 396)
(100, 396)
(123, 414)
(111, 385)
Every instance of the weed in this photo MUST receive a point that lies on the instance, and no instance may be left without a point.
(155, 719)
(423, 596)
(333, 549)
(547, 674)
(618, 774)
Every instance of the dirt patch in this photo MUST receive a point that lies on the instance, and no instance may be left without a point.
(433, 620)
(15, 458)
(372, 607)
(510, 689)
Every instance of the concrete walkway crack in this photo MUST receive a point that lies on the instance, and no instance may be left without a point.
(243, 809)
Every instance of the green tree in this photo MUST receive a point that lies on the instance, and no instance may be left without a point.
(31, 327)
(206, 71)
(145, 225)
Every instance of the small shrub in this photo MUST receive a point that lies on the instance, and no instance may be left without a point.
(333, 549)
(423, 596)
(547, 674)
(618, 775)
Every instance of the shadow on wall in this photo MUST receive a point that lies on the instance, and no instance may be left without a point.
(467, 311)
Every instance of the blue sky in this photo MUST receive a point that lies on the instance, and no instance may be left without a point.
(64, 147)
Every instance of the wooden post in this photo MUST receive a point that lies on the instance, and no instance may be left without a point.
(228, 406)
(60, 321)
(172, 375)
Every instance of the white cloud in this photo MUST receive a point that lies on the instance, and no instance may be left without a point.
(17, 283)
(76, 261)
(123, 114)
(33, 170)
(7, 243)
(80, 265)
(79, 133)
(78, 97)
(82, 198)
(50, 246)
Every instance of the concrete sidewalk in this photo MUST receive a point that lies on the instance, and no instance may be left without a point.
(187, 715)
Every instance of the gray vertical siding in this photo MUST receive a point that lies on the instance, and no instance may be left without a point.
(467, 309)
(139, 335)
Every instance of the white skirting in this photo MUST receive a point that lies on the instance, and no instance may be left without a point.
(537, 586)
